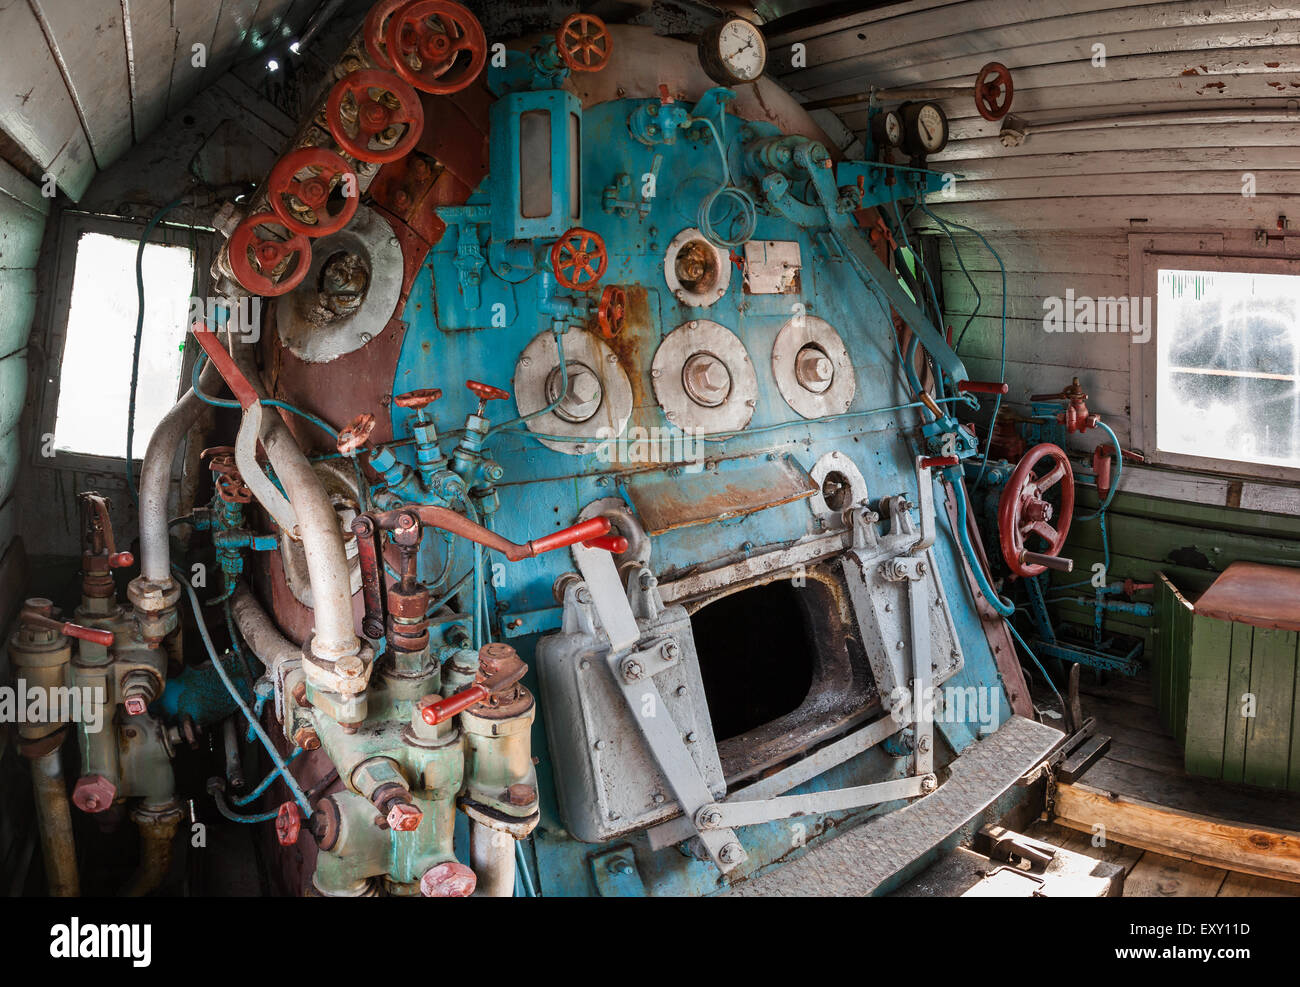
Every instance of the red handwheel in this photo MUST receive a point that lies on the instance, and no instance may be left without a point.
(993, 91)
(436, 45)
(304, 203)
(579, 258)
(267, 265)
(583, 43)
(1023, 511)
(611, 313)
(375, 31)
(365, 105)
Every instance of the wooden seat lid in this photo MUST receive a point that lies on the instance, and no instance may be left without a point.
(1262, 595)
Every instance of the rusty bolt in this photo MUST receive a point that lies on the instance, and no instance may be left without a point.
(300, 693)
(521, 794)
(350, 667)
(448, 880)
(632, 669)
(135, 705)
(306, 738)
(404, 817)
(93, 793)
(929, 783)
(731, 853)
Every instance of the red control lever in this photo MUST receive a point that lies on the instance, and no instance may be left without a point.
(93, 634)
(930, 462)
(614, 544)
(445, 709)
(984, 386)
(583, 531)
(445, 519)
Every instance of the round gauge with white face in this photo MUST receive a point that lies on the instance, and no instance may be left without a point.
(887, 129)
(733, 52)
(925, 128)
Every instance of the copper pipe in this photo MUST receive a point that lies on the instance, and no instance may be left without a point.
(54, 822)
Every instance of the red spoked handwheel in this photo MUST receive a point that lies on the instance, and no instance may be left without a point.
(584, 43)
(579, 259)
(993, 91)
(1023, 511)
(294, 199)
(375, 31)
(288, 824)
(436, 45)
(611, 313)
(266, 265)
(379, 101)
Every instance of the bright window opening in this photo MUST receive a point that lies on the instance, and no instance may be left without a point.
(94, 389)
(1228, 365)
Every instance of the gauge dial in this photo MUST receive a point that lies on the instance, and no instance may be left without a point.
(925, 128)
(887, 129)
(733, 52)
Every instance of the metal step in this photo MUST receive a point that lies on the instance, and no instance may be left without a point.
(861, 860)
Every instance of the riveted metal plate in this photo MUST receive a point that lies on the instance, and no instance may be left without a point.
(707, 269)
(683, 351)
(534, 370)
(801, 335)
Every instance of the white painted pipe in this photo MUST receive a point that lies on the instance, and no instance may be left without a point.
(492, 855)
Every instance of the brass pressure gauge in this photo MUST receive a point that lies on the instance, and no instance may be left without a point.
(733, 52)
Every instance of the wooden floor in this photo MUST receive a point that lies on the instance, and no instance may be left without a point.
(1145, 763)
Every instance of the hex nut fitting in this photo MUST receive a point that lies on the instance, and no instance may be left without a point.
(93, 793)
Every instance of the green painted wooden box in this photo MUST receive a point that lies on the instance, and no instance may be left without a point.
(1210, 676)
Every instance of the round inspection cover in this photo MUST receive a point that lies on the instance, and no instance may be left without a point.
(704, 379)
(535, 388)
(812, 368)
(697, 272)
(840, 485)
(349, 294)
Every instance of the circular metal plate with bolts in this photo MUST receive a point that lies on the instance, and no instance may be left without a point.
(812, 368)
(704, 379)
(349, 294)
(697, 272)
(597, 402)
(839, 486)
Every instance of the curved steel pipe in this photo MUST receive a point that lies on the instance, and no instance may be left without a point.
(259, 631)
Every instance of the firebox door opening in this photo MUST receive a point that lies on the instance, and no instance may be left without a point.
(783, 670)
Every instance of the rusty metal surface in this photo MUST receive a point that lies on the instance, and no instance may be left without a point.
(665, 501)
(1251, 593)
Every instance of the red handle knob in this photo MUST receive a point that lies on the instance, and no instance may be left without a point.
(581, 532)
(486, 392)
(930, 462)
(984, 386)
(120, 560)
(93, 634)
(444, 709)
(614, 544)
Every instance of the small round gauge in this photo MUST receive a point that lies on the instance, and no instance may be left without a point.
(887, 129)
(925, 128)
(733, 52)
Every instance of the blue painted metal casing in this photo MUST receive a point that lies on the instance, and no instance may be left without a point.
(544, 490)
(534, 186)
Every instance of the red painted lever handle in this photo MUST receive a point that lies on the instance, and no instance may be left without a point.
(614, 544)
(984, 386)
(486, 392)
(120, 560)
(93, 634)
(930, 462)
(583, 531)
(445, 709)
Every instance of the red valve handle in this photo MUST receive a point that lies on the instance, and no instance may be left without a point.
(375, 31)
(422, 398)
(93, 634)
(374, 114)
(930, 462)
(614, 544)
(120, 560)
(254, 259)
(611, 313)
(984, 387)
(486, 392)
(1022, 511)
(354, 435)
(583, 43)
(581, 532)
(314, 192)
(993, 91)
(288, 824)
(579, 258)
(445, 709)
(426, 41)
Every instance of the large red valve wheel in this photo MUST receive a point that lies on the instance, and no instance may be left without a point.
(314, 192)
(578, 259)
(436, 45)
(373, 93)
(993, 91)
(583, 43)
(375, 31)
(267, 265)
(1024, 511)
